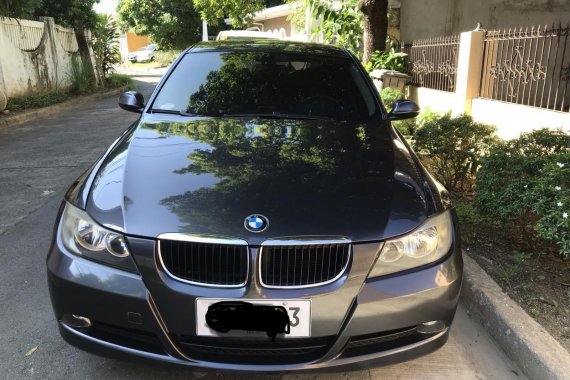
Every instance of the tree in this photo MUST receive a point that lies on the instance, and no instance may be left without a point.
(375, 26)
(169, 23)
(72, 13)
(18, 8)
(240, 11)
(343, 26)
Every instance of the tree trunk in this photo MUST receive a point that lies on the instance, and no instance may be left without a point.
(375, 26)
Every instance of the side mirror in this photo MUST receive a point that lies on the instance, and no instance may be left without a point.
(403, 109)
(131, 101)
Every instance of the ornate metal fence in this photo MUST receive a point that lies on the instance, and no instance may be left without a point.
(529, 67)
(434, 62)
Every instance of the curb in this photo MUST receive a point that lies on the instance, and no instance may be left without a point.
(533, 349)
(25, 116)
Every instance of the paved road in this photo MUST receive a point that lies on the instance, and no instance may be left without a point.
(38, 161)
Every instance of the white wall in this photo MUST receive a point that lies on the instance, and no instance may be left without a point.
(423, 19)
(435, 100)
(513, 119)
(35, 56)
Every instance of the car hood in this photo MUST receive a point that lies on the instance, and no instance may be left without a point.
(204, 176)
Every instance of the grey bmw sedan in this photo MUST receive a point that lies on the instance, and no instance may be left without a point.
(261, 215)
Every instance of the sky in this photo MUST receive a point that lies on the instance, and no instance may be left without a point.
(106, 6)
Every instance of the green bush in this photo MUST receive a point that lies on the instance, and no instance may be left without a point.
(390, 60)
(452, 148)
(389, 95)
(36, 101)
(106, 45)
(166, 57)
(82, 75)
(118, 80)
(526, 183)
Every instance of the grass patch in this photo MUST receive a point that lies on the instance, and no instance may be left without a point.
(36, 101)
(82, 76)
(118, 80)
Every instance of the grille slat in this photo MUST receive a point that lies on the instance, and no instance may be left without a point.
(303, 265)
(203, 263)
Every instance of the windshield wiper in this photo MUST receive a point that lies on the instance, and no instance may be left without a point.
(278, 115)
(173, 112)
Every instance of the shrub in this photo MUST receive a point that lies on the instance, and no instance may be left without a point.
(166, 57)
(82, 76)
(390, 60)
(118, 80)
(389, 96)
(526, 182)
(36, 101)
(453, 147)
(106, 45)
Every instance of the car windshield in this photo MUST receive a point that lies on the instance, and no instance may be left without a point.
(275, 84)
(147, 48)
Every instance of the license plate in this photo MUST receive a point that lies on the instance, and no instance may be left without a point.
(299, 314)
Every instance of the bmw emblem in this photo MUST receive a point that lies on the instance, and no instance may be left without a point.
(256, 223)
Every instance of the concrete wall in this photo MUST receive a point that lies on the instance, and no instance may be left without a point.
(35, 56)
(435, 100)
(434, 18)
(513, 119)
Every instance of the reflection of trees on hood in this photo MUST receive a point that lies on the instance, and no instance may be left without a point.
(254, 159)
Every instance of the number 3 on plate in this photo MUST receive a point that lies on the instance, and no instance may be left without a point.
(295, 318)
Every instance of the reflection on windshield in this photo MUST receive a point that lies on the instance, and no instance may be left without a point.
(269, 83)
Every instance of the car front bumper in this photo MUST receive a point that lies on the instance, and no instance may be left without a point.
(125, 322)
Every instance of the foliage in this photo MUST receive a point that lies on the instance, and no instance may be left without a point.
(525, 182)
(240, 11)
(453, 147)
(341, 23)
(71, 13)
(18, 8)
(119, 80)
(82, 76)
(172, 24)
(36, 101)
(468, 214)
(106, 45)
(391, 60)
(166, 57)
(389, 95)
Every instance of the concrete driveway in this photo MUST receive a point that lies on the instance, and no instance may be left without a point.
(38, 161)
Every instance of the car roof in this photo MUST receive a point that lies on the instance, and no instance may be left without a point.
(252, 34)
(269, 45)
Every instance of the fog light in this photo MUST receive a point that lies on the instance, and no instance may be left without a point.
(76, 321)
(431, 327)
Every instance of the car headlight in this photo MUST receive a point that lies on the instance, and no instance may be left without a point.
(83, 236)
(426, 244)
